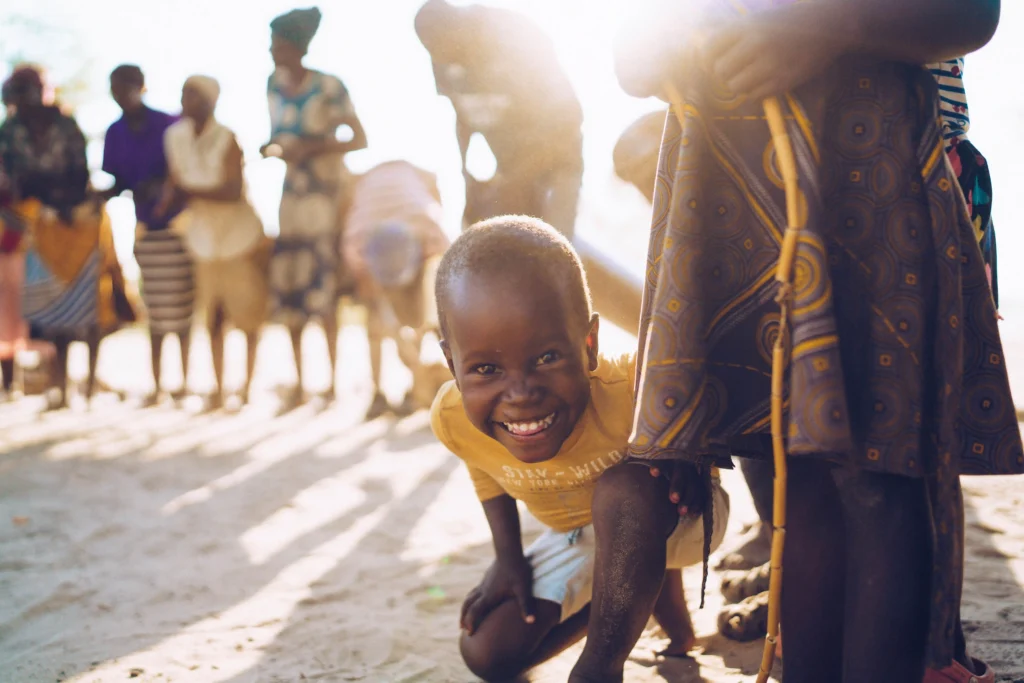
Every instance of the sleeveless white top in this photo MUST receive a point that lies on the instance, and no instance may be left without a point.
(216, 230)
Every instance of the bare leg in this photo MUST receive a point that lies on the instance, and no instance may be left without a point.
(754, 547)
(217, 349)
(60, 371)
(673, 615)
(185, 342)
(632, 520)
(331, 332)
(252, 342)
(156, 344)
(295, 397)
(7, 368)
(93, 339)
(505, 646)
(375, 336)
(888, 562)
(814, 577)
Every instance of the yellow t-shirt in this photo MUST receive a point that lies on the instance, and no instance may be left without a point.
(558, 492)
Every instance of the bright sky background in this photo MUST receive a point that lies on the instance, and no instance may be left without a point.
(371, 45)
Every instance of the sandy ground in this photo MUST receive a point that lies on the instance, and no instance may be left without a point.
(158, 545)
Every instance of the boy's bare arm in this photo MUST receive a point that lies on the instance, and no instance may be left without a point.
(510, 577)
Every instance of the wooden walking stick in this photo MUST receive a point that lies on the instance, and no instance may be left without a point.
(780, 356)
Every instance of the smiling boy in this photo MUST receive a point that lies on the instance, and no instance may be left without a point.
(538, 416)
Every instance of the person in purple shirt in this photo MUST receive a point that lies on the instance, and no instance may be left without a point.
(133, 153)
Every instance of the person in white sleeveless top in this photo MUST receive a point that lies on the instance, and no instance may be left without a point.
(224, 234)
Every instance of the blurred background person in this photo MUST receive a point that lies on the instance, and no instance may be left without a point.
(133, 153)
(306, 109)
(74, 288)
(503, 78)
(223, 232)
(393, 242)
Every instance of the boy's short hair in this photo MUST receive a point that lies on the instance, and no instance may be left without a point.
(507, 245)
(130, 74)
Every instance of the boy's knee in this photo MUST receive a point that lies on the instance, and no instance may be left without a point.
(483, 659)
(629, 491)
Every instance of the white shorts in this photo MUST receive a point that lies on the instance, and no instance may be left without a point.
(563, 562)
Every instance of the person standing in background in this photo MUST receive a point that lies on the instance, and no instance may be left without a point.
(224, 234)
(502, 75)
(133, 153)
(74, 288)
(306, 109)
(393, 243)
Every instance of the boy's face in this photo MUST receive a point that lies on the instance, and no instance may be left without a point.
(521, 360)
(127, 95)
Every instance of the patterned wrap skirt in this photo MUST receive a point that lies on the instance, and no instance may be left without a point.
(896, 365)
(168, 280)
(73, 281)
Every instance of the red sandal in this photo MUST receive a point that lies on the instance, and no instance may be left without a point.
(956, 673)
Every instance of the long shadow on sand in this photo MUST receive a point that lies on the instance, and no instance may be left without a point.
(82, 582)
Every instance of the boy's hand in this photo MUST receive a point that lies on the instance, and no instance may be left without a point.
(771, 53)
(685, 488)
(504, 580)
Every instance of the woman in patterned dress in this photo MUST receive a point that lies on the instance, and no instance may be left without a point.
(74, 288)
(306, 109)
(897, 380)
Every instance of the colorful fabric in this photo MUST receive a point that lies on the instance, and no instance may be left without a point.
(896, 365)
(168, 280)
(13, 327)
(54, 169)
(310, 226)
(137, 161)
(395, 192)
(72, 277)
(956, 119)
(557, 492)
(972, 173)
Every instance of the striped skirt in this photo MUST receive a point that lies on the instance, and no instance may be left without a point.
(168, 281)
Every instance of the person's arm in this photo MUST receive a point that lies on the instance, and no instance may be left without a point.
(511, 576)
(783, 48)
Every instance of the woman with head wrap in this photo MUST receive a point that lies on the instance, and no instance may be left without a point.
(74, 288)
(133, 153)
(222, 231)
(306, 109)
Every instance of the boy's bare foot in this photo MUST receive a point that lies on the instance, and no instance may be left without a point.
(679, 648)
(672, 614)
(179, 395)
(150, 400)
(753, 548)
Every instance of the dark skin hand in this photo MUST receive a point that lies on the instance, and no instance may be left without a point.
(685, 487)
(510, 577)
